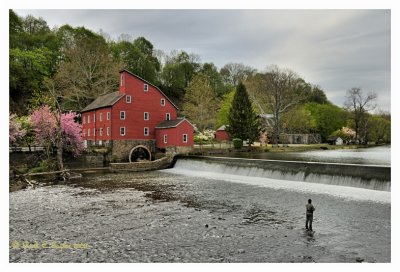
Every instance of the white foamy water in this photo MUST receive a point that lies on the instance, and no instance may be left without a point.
(249, 176)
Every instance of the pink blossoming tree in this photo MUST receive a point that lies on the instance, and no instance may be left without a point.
(45, 125)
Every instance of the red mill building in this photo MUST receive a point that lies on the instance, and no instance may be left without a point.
(138, 116)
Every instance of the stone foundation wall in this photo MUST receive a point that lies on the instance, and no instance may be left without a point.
(162, 163)
(121, 148)
(185, 150)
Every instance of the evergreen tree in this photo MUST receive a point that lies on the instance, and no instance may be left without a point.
(243, 122)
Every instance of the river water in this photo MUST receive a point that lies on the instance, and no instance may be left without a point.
(186, 215)
(373, 155)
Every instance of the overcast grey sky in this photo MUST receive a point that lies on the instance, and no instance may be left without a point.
(336, 49)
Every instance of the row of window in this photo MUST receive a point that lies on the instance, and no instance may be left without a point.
(122, 132)
(122, 116)
(94, 117)
(128, 99)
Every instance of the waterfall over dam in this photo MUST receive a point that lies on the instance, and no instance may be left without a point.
(370, 177)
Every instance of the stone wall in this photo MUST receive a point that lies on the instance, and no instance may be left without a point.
(162, 163)
(178, 150)
(121, 148)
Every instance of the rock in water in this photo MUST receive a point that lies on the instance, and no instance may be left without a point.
(359, 260)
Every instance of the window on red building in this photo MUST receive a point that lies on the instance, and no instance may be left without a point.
(165, 138)
(185, 138)
(122, 131)
(108, 115)
(122, 115)
(88, 132)
(101, 116)
(146, 131)
(101, 131)
(108, 131)
(122, 80)
(168, 116)
(128, 99)
(162, 102)
(145, 87)
(88, 119)
(146, 116)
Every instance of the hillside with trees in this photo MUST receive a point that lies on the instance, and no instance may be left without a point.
(68, 67)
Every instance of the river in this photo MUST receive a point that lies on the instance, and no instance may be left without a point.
(186, 215)
(373, 155)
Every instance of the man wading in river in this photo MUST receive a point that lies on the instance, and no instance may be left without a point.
(309, 215)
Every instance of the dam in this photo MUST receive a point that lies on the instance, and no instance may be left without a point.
(374, 177)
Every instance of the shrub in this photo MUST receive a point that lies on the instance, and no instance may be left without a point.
(237, 143)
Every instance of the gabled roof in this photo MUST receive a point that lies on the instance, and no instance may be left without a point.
(172, 123)
(223, 127)
(149, 83)
(103, 101)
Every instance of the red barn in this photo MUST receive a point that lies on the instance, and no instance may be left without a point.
(221, 134)
(132, 116)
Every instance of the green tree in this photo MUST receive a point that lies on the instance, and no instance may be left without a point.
(380, 128)
(215, 79)
(177, 72)
(87, 70)
(33, 55)
(223, 111)
(243, 121)
(298, 120)
(138, 57)
(327, 118)
(199, 102)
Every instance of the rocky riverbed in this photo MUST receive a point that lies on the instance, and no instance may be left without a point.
(165, 217)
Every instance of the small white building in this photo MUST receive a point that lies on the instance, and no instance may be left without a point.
(335, 141)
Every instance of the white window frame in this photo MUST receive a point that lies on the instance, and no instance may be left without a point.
(83, 120)
(94, 117)
(162, 102)
(101, 131)
(94, 131)
(84, 132)
(165, 138)
(122, 83)
(120, 131)
(88, 132)
(168, 116)
(108, 115)
(88, 119)
(146, 114)
(146, 87)
(100, 116)
(108, 131)
(184, 138)
(130, 99)
(146, 131)
(120, 115)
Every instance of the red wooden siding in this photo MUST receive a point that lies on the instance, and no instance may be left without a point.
(96, 123)
(175, 135)
(221, 135)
